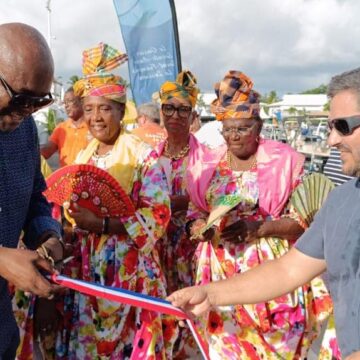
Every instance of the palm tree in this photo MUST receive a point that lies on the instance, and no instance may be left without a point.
(51, 120)
(73, 79)
(201, 103)
(292, 110)
(269, 98)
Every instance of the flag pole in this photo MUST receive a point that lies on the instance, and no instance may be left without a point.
(176, 34)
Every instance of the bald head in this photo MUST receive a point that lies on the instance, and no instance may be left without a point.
(26, 67)
(25, 58)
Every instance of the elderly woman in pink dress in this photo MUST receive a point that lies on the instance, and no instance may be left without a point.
(253, 181)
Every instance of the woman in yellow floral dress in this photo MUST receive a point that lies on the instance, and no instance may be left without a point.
(118, 252)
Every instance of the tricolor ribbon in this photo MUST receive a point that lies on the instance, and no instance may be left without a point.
(133, 299)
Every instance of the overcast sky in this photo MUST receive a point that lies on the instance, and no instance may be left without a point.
(283, 45)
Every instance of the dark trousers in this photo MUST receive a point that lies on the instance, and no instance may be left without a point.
(10, 352)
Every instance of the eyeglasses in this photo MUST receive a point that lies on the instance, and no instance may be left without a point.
(24, 103)
(71, 102)
(242, 130)
(183, 111)
(346, 125)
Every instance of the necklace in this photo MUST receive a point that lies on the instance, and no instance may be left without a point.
(250, 167)
(100, 160)
(182, 153)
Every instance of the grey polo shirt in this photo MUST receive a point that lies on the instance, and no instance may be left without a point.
(335, 236)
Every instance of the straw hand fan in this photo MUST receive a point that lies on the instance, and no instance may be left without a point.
(309, 196)
(223, 206)
(89, 187)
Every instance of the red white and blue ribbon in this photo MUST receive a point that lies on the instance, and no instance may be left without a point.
(134, 299)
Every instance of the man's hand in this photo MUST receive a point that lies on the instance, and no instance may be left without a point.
(354, 356)
(85, 219)
(21, 268)
(193, 300)
(241, 231)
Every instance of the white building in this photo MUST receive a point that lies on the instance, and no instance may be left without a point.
(301, 102)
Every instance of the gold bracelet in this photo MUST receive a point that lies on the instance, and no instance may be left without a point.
(45, 254)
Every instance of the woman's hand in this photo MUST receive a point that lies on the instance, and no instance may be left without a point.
(46, 317)
(241, 231)
(179, 203)
(55, 248)
(85, 219)
(195, 228)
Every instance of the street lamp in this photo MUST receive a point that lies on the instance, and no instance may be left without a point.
(48, 8)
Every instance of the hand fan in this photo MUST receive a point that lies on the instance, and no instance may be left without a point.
(223, 206)
(309, 196)
(89, 187)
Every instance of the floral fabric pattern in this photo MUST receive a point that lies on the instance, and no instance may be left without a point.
(176, 252)
(106, 329)
(282, 328)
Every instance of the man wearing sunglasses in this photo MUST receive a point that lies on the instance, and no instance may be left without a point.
(26, 73)
(332, 242)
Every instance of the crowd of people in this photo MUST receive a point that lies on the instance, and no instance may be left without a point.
(251, 276)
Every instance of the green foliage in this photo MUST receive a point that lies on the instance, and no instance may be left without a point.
(327, 106)
(51, 120)
(270, 98)
(73, 79)
(322, 89)
(201, 102)
(292, 110)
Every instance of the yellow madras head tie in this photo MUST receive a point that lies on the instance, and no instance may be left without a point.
(97, 80)
(184, 87)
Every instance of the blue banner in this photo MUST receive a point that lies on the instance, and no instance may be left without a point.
(151, 40)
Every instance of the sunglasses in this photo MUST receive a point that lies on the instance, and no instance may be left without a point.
(346, 125)
(183, 111)
(24, 103)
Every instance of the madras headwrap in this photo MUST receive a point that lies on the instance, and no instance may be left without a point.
(97, 80)
(183, 87)
(235, 97)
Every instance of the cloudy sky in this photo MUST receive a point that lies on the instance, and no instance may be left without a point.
(284, 45)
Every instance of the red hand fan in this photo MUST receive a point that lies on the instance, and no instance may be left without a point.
(89, 187)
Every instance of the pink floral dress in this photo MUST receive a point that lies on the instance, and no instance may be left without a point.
(176, 252)
(283, 328)
(174, 248)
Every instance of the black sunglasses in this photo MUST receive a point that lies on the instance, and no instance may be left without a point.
(183, 111)
(346, 125)
(21, 102)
